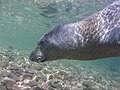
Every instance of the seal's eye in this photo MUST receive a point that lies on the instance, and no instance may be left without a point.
(41, 43)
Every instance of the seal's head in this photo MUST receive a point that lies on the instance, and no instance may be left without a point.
(56, 44)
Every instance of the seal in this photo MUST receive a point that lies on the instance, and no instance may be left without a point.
(96, 37)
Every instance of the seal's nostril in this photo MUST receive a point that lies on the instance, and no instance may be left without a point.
(38, 58)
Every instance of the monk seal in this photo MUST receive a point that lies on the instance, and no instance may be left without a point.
(95, 37)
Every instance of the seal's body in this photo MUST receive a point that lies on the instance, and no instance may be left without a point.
(98, 36)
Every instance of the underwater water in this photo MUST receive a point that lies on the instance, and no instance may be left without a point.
(24, 22)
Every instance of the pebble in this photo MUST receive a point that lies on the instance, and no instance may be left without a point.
(36, 78)
(87, 83)
(32, 83)
(66, 88)
(45, 77)
(8, 82)
(55, 83)
(3, 88)
(46, 71)
(51, 76)
(17, 72)
(75, 88)
(30, 71)
(13, 76)
(44, 86)
(62, 73)
(1, 58)
(36, 88)
(3, 64)
(26, 76)
(5, 73)
(26, 81)
(40, 81)
(13, 67)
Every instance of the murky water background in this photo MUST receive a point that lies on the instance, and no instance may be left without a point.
(24, 22)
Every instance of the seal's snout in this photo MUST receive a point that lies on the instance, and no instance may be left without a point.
(37, 56)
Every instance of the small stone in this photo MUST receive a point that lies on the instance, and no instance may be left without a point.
(17, 72)
(3, 64)
(1, 77)
(46, 71)
(8, 82)
(32, 83)
(15, 87)
(36, 88)
(51, 76)
(26, 76)
(51, 88)
(1, 57)
(30, 71)
(39, 68)
(44, 86)
(62, 73)
(58, 76)
(13, 67)
(5, 73)
(13, 76)
(87, 83)
(44, 78)
(66, 88)
(75, 88)
(36, 78)
(40, 81)
(55, 83)
(2, 87)
(26, 81)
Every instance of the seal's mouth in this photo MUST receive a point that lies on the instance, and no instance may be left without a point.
(37, 57)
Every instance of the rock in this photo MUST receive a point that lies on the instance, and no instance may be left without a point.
(51, 88)
(44, 78)
(31, 71)
(51, 76)
(91, 89)
(46, 71)
(75, 88)
(13, 67)
(17, 72)
(39, 68)
(9, 83)
(32, 83)
(1, 57)
(66, 88)
(1, 77)
(26, 81)
(44, 86)
(58, 76)
(16, 87)
(3, 64)
(3, 87)
(72, 83)
(5, 73)
(36, 78)
(36, 88)
(87, 83)
(55, 83)
(26, 76)
(62, 73)
(40, 81)
(16, 78)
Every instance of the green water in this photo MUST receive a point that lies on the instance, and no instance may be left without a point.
(24, 22)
